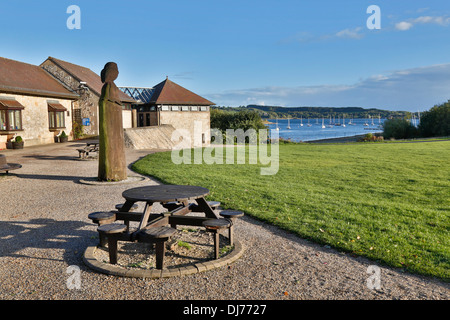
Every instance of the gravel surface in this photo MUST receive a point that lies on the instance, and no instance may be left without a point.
(45, 230)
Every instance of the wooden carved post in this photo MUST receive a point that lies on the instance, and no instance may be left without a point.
(112, 162)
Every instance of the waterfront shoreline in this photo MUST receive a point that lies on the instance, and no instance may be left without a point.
(347, 139)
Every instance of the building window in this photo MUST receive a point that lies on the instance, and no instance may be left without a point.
(175, 108)
(10, 115)
(10, 120)
(203, 108)
(56, 119)
(194, 108)
(184, 108)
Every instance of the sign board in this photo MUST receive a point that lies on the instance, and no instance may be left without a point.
(86, 121)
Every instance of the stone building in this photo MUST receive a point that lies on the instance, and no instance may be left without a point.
(39, 102)
(88, 85)
(171, 104)
(33, 104)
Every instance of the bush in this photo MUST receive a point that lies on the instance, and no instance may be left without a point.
(18, 139)
(399, 129)
(63, 135)
(370, 137)
(77, 130)
(436, 121)
(244, 120)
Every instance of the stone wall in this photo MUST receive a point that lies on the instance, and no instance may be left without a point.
(199, 136)
(35, 123)
(88, 102)
(156, 137)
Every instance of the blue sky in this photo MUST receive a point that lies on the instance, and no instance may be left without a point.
(289, 53)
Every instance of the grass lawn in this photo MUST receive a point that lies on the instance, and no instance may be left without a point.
(389, 202)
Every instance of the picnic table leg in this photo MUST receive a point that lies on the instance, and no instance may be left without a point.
(145, 215)
(206, 208)
(126, 208)
(112, 248)
(216, 245)
(160, 252)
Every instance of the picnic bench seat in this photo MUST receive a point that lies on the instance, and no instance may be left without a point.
(231, 215)
(120, 205)
(83, 153)
(111, 232)
(102, 218)
(4, 166)
(158, 236)
(215, 226)
(196, 208)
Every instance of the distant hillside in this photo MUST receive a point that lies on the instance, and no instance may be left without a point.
(273, 112)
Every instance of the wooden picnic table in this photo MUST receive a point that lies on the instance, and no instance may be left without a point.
(154, 227)
(93, 143)
(179, 194)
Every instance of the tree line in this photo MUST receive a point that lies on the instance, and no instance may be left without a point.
(433, 123)
(272, 112)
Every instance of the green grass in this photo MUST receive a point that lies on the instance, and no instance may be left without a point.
(388, 202)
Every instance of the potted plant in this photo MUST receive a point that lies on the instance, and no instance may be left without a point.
(17, 143)
(63, 137)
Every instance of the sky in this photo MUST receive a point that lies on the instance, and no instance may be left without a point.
(284, 53)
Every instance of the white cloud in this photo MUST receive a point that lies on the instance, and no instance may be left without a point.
(307, 37)
(350, 33)
(408, 24)
(403, 26)
(411, 89)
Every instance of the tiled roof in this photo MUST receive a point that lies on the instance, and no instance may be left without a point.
(93, 80)
(168, 92)
(23, 78)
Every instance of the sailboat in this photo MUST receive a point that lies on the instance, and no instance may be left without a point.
(309, 125)
(277, 128)
(329, 125)
(301, 121)
(337, 123)
(323, 125)
(343, 121)
(365, 123)
(289, 125)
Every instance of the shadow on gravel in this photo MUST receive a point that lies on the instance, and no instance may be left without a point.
(16, 237)
(51, 177)
(47, 157)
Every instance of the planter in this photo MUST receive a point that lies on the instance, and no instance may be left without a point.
(17, 145)
(63, 139)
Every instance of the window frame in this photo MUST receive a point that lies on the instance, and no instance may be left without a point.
(6, 111)
(53, 115)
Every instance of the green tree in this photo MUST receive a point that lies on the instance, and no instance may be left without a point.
(399, 129)
(436, 121)
(244, 119)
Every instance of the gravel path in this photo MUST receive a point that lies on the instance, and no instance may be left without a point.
(44, 229)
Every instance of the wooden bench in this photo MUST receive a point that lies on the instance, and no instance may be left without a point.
(231, 215)
(158, 236)
(112, 232)
(195, 207)
(215, 226)
(84, 152)
(102, 218)
(120, 205)
(4, 166)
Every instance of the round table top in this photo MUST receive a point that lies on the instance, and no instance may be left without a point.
(165, 193)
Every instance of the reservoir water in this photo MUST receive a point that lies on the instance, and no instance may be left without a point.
(314, 130)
